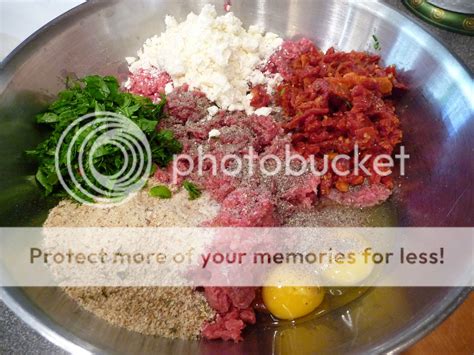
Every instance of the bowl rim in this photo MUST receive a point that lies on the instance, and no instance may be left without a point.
(66, 340)
(33, 316)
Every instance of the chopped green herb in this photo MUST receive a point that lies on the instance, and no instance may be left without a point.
(160, 191)
(88, 95)
(193, 191)
(153, 170)
(377, 46)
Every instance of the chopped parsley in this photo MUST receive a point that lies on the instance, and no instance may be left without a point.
(193, 191)
(160, 191)
(88, 95)
(376, 43)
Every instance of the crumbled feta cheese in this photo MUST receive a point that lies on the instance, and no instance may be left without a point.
(169, 87)
(257, 78)
(214, 133)
(214, 54)
(272, 81)
(263, 111)
(213, 110)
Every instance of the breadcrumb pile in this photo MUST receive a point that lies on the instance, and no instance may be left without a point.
(172, 312)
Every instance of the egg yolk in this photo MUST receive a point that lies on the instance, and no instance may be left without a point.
(291, 302)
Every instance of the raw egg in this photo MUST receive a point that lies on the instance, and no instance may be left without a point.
(285, 299)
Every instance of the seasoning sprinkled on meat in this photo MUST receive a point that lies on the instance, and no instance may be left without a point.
(148, 82)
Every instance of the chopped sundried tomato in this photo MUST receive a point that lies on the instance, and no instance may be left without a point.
(338, 100)
(260, 97)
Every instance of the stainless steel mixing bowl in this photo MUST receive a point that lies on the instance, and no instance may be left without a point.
(437, 117)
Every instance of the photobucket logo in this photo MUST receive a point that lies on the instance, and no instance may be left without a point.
(87, 143)
(292, 164)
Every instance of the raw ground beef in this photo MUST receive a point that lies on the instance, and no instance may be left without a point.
(245, 207)
(187, 106)
(247, 199)
(150, 83)
(233, 305)
(361, 196)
